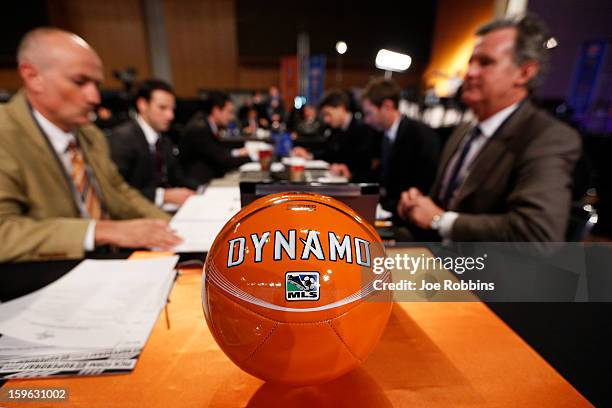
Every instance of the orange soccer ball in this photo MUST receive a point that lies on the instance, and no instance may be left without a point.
(288, 289)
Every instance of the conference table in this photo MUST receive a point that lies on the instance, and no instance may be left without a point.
(430, 354)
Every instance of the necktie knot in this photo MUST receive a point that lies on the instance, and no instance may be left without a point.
(474, 134)
(72, 147)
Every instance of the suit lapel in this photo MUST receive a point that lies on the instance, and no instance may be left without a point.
(142, 139)
(395, 150)
(492, 151)
(449, 150)
(20, 111)
(143, 146)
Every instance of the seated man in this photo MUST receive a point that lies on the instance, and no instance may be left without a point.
(309, 126)
(59, 190)
(202, 155)
(353, 147)
(144, 156)
(275, 105)
(250, 123)
(508, 176)
(409, 149)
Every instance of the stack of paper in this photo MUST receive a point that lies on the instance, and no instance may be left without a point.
(94, 320)
(202, 217)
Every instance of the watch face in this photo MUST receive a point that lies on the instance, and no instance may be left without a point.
(435, 222)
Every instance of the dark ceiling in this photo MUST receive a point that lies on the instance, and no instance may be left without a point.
(268, 29)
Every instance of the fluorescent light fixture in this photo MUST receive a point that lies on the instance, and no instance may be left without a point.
(392, 61)
(341, 47)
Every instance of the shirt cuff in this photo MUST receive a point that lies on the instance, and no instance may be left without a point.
(90, 237)
(159, 196)
(236, 152)
(447, 220)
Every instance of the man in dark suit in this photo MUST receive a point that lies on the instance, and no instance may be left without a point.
(507, 177)
(202, 155)
(144, 155)
(353, 147)
(409, 149)
(276, 106)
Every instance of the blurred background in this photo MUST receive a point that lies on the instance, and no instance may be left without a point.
(242, 46)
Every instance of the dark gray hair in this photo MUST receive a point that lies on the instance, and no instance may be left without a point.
(530, 44)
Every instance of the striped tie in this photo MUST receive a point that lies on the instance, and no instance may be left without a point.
(83, 184)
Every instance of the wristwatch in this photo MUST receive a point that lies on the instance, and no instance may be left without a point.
(435, 222)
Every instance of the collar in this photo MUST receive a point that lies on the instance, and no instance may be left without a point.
(347, 122)
(59, 138)
(489, 126)
(391, 133)
(150, 134)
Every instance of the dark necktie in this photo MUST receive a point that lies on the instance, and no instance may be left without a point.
(385, 153)
(453, 181)
(160, 163)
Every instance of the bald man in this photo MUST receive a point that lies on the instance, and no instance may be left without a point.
(60, 194)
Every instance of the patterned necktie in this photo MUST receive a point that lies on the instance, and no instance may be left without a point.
(82, 182)
(453, 181)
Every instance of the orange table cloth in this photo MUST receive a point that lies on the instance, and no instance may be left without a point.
(431, 354)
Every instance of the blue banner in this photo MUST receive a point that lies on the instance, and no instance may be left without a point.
(316, 79)
(587, 73)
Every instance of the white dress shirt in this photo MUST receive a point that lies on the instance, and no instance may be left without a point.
(488, 127)
(60, 140)
(150, 134)
(152, 137)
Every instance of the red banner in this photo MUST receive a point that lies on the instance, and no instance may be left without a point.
(289, 80)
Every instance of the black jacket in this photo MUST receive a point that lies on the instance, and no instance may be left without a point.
(358, 147)
(412, 162)
(202, 155)
(138, 165)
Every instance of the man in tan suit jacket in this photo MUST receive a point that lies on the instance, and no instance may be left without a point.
(41, 216)
(508, 177)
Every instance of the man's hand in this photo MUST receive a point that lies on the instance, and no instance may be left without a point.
(407, 201)
(240, 152)
(417, 208)
(340, 169)
(177, 195)
(140, 233)
(301, 152)
(423, 212)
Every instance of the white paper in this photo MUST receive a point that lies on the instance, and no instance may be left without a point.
(248, 167)
(382, 214)
(198, 235)
(202, 217)
(216, 203)
(316, 165)
(309, 164)
(253, 148)
(99, 304)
